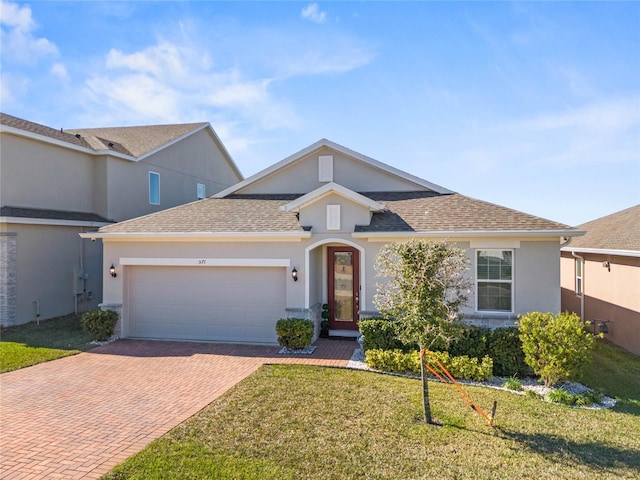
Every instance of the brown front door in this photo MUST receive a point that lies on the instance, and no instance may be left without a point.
(344, 288)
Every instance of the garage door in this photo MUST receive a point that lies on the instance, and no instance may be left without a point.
(229, 304)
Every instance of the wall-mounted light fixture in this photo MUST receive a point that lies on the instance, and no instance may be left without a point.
(112, 271)
(606, 265)
(294, 274)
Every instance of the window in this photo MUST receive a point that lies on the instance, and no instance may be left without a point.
(154, 188)
(494, 280)
(579, 276)
(201, 191)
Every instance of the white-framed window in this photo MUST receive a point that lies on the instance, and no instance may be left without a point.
(154, 188)
(579, 278)
(201, 191)
(333, 217)
(494, 280)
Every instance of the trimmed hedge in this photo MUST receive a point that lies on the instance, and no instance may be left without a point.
(294, 333)
(99, 324)
(462, 367)
(380, 334)
(503, 345)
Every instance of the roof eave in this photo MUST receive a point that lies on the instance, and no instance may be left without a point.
(603, 251)
(195, 236)
(60, 143)
(467, 234)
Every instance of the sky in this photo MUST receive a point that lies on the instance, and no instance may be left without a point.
(533, 105)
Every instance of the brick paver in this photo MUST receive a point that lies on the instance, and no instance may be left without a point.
(78, 417)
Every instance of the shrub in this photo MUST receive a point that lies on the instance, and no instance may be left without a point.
(398, 361)
(505, 347)
(99, 324)
(294, 333)
(380, 333)
(555, 346)
(473, 341)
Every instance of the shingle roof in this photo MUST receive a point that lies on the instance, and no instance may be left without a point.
(426, 211)
(618, 231)
(140, 140)
(22, 212)
(259, 213)
(407, 212)
(131, 141)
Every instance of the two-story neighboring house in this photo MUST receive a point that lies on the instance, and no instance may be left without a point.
(601, 277)
(55, 184)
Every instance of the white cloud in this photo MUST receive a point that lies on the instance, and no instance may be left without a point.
(313, 13)
(60, 70)
(19, 44)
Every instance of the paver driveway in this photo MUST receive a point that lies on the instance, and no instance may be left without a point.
(79, 416)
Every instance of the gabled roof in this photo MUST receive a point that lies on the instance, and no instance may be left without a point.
(324, 143)
(406, 214)
(129, 143)
(140, 140)
(619, 232)
(328, 189)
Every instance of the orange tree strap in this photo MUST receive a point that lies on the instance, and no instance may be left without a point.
(451, 382)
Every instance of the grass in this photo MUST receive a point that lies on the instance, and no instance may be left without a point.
(29, 344)
(291, 421)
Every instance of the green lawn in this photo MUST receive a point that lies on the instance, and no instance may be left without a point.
(29, 344)
(300, 422)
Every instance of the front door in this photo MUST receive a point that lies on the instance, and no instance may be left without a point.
(344, 288)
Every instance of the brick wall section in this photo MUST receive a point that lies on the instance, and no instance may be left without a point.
(8, 278)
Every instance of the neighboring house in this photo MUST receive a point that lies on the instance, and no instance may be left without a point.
(601, 277)
(55, 184)
(304, 232)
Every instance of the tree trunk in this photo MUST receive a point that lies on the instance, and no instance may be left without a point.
(425, 389)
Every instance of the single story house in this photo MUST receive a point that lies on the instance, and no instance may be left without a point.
(304, 232)
(600, 275)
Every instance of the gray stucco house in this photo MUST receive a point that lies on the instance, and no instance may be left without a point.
(304, 232)
(56, 183)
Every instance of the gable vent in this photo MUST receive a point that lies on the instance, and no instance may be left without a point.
(325, 168)
(333, 217)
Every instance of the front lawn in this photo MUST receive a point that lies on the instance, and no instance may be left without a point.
(29, 344)
(300, 422)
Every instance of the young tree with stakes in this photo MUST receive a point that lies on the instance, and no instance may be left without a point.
(424, 289)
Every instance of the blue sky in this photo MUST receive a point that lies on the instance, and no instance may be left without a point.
(534, 105)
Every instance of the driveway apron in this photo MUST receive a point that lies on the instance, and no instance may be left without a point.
(78, 417)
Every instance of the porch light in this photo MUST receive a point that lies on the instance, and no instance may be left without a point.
(112, 271)
(294, 274)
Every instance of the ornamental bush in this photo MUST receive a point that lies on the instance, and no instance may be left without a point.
(99, 324)
(294, 333)
(381, 333)
(555, 346)
(462, 367)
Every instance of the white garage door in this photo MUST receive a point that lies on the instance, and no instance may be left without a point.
(228, 304)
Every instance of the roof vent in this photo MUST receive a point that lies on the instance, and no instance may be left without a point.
(77, 135)
(110, 144)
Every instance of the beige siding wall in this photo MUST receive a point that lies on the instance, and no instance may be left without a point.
(315, 214)
(609, 294)
(302, 177)
(39, 175)
(48, 262)
(196, 159)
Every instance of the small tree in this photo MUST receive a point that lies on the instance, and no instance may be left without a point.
(424, 289)
(555, 346)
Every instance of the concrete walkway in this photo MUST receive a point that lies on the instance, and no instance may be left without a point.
(78, 417)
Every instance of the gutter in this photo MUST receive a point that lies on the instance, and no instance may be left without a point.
(384, 236)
